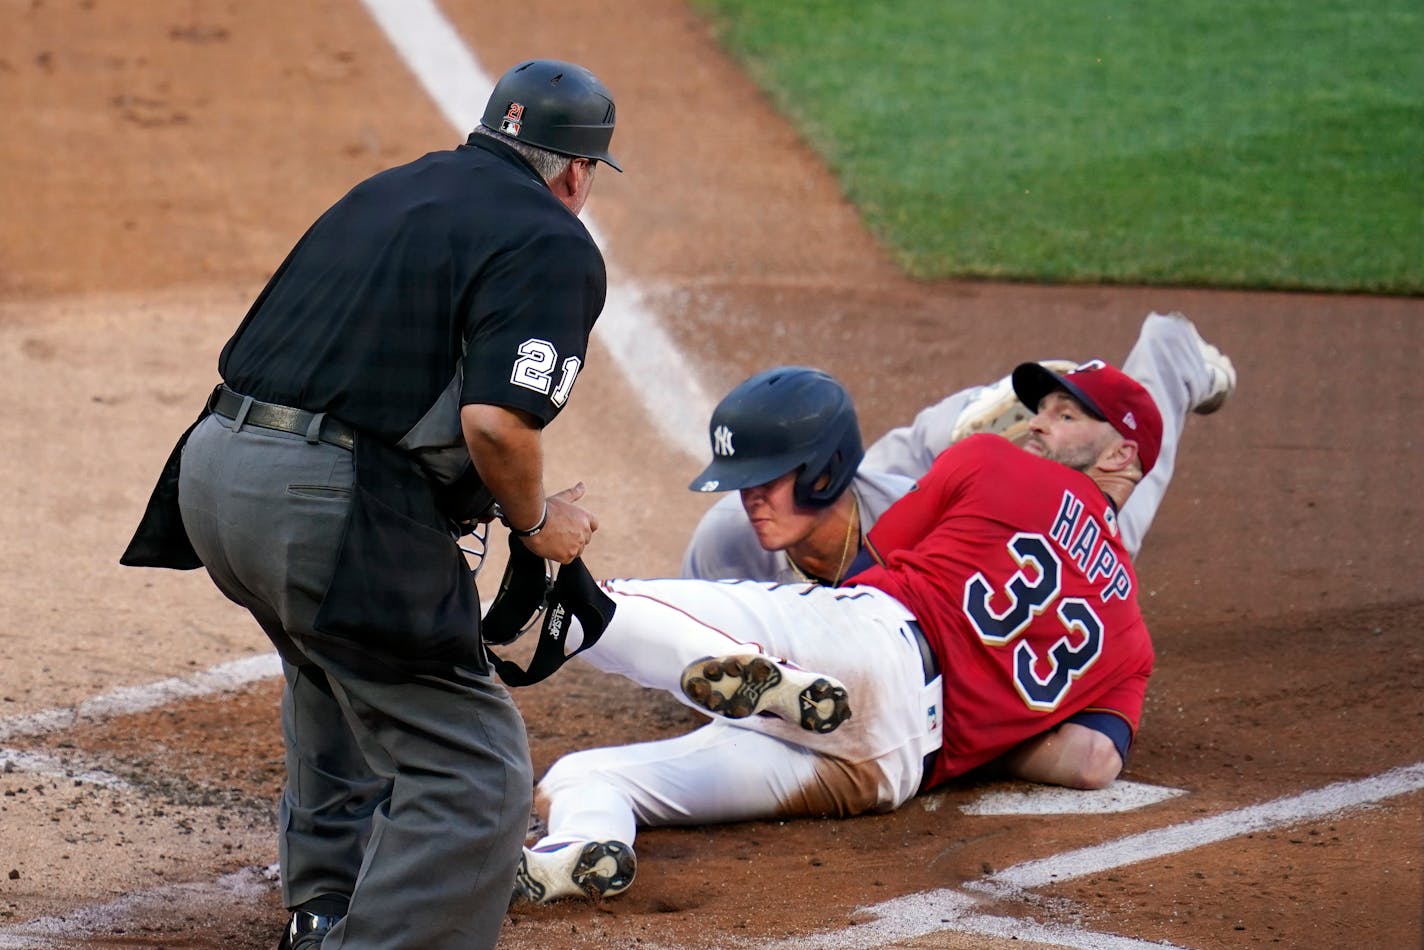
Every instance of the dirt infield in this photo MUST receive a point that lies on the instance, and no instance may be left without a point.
(162, 155)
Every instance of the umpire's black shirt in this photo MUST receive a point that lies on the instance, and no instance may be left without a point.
(462, 261)
(458, 278)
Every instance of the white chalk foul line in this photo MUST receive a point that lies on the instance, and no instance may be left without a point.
(434, 52)
(943, 911)
(1161, 842)
(134, 699)
(948, 910)
(49, 766)
(653, 366)
(248, 884)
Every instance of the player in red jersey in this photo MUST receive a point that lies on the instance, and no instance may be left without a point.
(1004, 569)
(1014, 569)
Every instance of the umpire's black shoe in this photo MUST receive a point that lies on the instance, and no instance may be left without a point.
(306, 930)
(750, 685)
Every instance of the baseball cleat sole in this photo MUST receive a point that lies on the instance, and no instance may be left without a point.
(594, 870)
(736, 687)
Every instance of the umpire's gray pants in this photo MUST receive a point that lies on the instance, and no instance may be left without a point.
(410, 794)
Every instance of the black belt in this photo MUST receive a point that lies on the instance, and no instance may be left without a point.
(314, 426)
(927, 656)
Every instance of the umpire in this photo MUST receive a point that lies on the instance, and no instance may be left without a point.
(387, 389)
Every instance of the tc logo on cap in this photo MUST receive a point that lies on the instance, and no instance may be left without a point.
(513, 119)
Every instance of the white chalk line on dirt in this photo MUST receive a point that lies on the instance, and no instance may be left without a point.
(952, 911)
(1160, 842)
(938, 912)
(128, 700)
(651, 364)
(48, 766)
(248, 884)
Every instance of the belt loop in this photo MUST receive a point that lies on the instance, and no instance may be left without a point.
(241, 416)
(314, 428)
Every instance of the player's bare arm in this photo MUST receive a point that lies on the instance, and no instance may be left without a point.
(1072, 755)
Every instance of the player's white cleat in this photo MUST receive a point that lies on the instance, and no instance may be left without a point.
(996, 408)
(593, 869)
(748, 685)
(1221, 375)
(1223, 378)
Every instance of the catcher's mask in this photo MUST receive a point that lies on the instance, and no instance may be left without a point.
(555, 105)
(530, 589)
(791, 418)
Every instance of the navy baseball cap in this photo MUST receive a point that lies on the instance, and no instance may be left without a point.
(1107, 393)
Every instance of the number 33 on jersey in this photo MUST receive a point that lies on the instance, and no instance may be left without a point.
(1014, 569)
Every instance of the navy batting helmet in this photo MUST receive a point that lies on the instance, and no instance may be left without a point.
(792, 418)
(555, 105)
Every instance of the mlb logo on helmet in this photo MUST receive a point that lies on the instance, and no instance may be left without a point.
(513, 119)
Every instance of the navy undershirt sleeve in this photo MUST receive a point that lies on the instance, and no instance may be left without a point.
(1114, 727)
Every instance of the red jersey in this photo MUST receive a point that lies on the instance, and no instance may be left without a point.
(1014, 570)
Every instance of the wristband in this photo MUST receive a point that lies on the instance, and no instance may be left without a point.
(527, 532)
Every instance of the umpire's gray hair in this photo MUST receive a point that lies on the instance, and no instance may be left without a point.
(549, 165)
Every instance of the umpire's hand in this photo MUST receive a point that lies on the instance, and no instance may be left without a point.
(567, 528)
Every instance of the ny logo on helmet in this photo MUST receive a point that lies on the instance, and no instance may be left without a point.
(722, 441)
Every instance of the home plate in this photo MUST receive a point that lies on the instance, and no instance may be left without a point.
(1023, 798)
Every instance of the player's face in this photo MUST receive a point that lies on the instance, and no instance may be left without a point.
(1064, 432)
(778, 521)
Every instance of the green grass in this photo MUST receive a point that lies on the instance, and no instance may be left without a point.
(1247, 143)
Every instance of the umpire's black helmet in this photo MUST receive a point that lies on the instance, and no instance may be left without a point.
(791, 418)
(555, 105)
